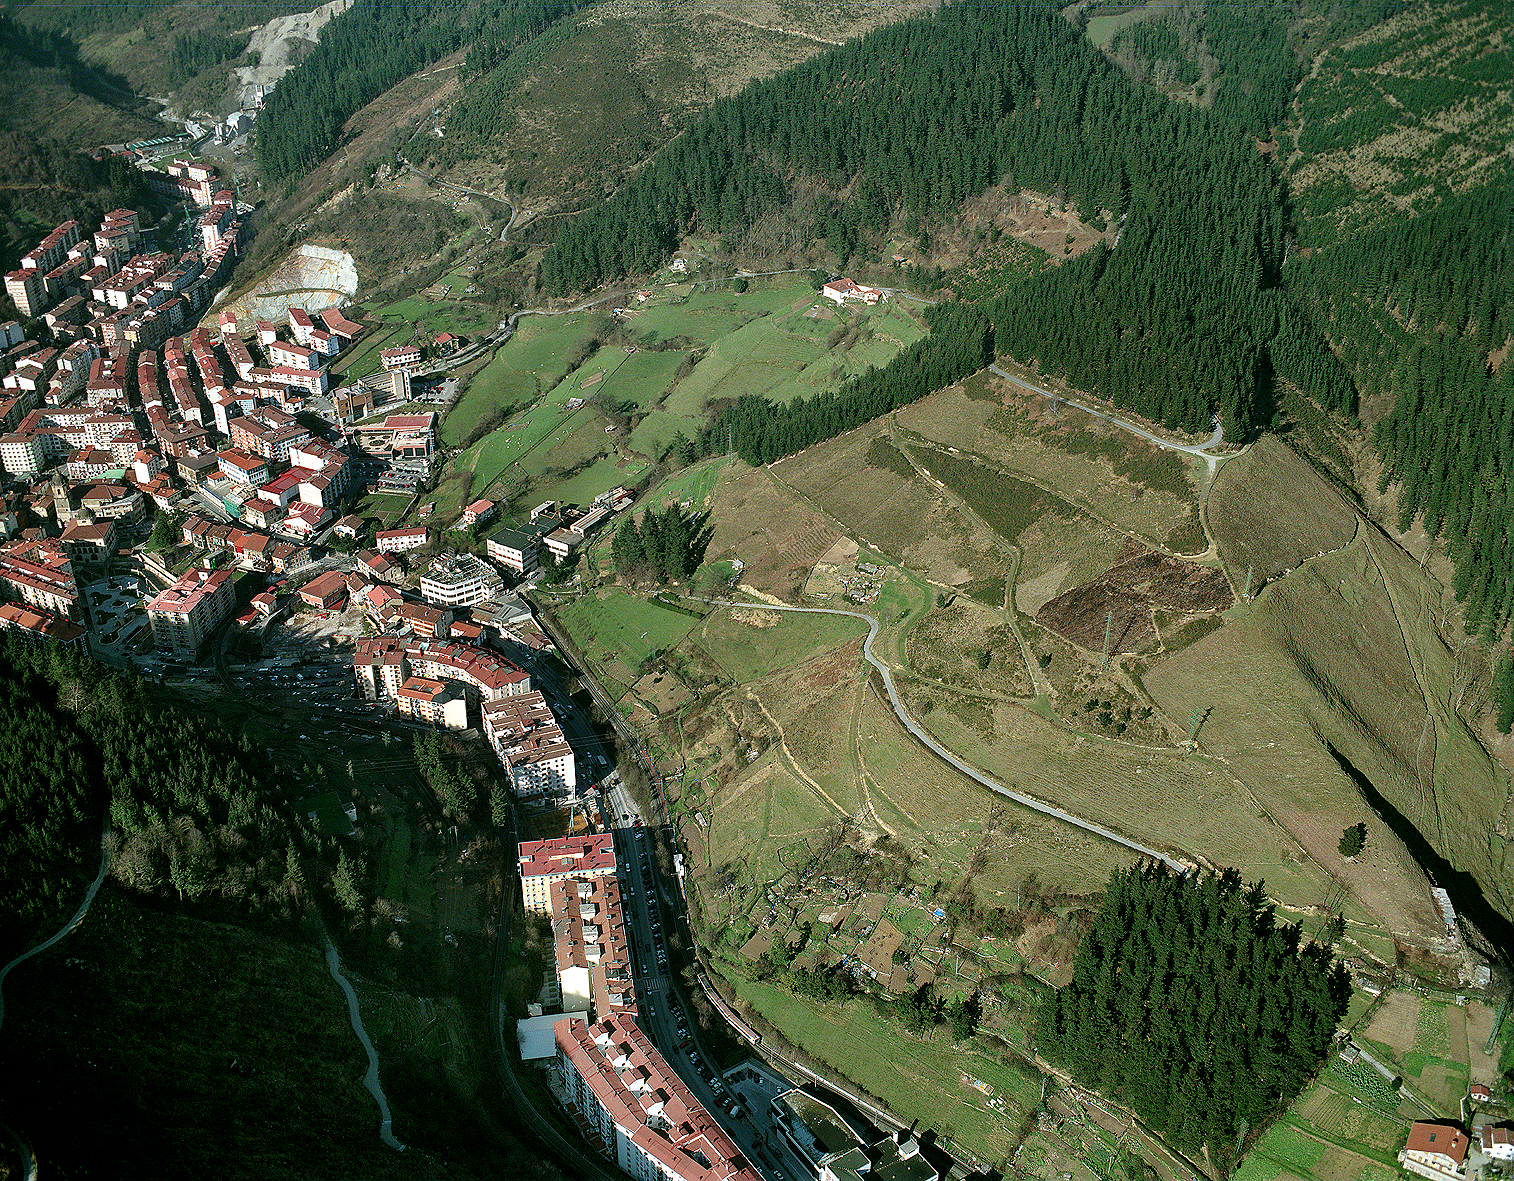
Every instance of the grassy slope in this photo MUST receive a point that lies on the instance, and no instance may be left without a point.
(1351, 648)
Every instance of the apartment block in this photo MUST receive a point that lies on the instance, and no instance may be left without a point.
(187, 612)
(638, 1109)
(545, 863)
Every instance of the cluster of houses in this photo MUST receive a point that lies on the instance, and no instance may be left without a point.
(115, 403)
(554, 529)
(620, 1090)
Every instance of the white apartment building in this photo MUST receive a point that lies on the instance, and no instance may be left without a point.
(460, 580)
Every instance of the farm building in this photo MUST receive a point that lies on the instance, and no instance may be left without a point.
(1436, 1151)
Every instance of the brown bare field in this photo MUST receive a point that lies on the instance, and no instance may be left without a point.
(878, 952)
(946, 646)
(1058, 553)
(902, 515)
(1480, 1019)
(1250, 524)
(1456, 1029)
(1061, 448)
(1139, 583)
(773, 531)
(1443, 1085)
(1345, 653)
(1396, 1020)
(664, 691)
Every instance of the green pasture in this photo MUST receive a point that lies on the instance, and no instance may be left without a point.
(582, 487)
(364, 359)
(612, 624)
(779, 356)
(386, 505)
(641, 377)
(772, 640)
(489, 458)
(1291, 1149)
(694, 486)
(524, 368)
(396, 858)
(707, 314)
(462, 316)
(921, 1076)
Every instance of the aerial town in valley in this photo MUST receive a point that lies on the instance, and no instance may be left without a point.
(915, 626)
(132, 411)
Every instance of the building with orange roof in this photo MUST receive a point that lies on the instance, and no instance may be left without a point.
(593, 957)
(30, 626)
(1437, 1151)
(628, 1099)
(441, 703)
(187, 612)
(545, 863)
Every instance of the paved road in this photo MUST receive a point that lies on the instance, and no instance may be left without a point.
(940, 751)
(371, 1078)
(1201, 450)
(89, 897)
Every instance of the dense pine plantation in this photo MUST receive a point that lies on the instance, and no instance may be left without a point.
(1190, 1001)
(1416, 306)
(369, 48)
(185, 795)
(664, 546)
(1183, 321)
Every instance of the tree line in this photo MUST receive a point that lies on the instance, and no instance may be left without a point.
(1194, 1005)
(664, 545)
(196, 811)
(960, 342)
(194, 52)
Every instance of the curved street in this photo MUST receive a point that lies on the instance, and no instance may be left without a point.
(941, 752)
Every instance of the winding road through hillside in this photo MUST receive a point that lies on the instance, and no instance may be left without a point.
(940, 751)
(89, 897)
(371, 1078)
(23, 1149)
(1202, 450)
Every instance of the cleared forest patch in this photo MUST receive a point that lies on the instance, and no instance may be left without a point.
(1397, 114)
(1139, 583)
